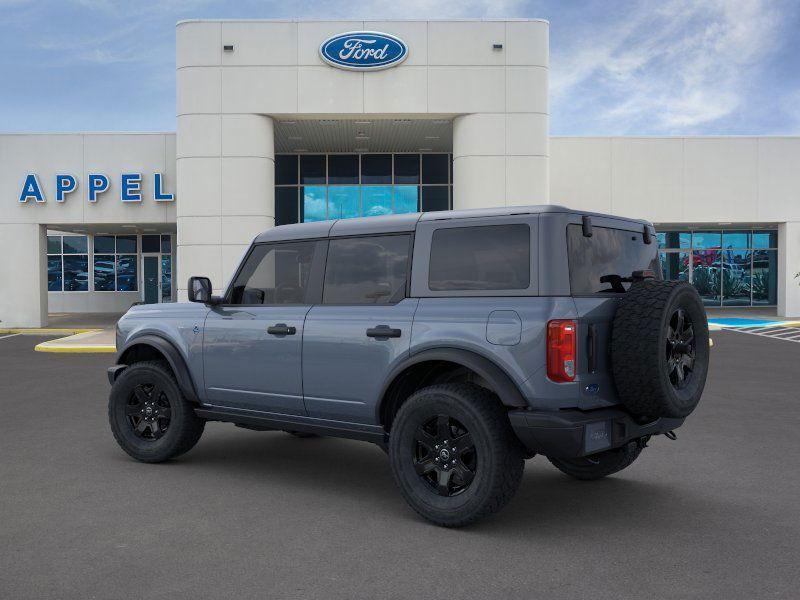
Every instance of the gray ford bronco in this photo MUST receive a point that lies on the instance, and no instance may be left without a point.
(461, 342)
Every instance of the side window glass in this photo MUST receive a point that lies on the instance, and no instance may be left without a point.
(274, 274)
(367, 270)
(485, 257)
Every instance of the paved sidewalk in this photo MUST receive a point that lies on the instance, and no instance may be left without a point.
(90, 342)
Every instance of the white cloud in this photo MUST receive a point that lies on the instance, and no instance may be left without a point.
(670, 69)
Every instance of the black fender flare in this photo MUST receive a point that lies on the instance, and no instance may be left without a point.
(497, 378)
(168, 350)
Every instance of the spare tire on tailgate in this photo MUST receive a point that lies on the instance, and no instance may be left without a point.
(659, 348)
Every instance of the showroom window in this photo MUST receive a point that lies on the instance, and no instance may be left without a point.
(316, 187)
(728, 267)
(67, 263)
(115, 264)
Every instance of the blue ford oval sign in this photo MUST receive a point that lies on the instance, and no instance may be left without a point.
(363, 50)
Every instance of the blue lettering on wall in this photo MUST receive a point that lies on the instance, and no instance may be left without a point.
(31, 190)
(98, 183)
(65, 184)
(158, 195)
(363, 50)
(131, 188)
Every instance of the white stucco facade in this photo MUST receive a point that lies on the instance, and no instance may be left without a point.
(251, 94)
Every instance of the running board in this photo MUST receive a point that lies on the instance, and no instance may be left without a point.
(353, 431)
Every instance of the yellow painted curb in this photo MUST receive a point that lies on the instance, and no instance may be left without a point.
(44, 347)
(46, 331)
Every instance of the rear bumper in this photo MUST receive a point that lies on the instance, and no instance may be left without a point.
(574, 433)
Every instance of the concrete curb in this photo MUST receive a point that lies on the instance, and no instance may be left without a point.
(46, 331)
(96, 349)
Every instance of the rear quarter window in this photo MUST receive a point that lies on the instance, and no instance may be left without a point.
(490, 257)
(607, 252)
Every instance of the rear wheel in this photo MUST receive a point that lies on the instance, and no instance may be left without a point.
(149, 417)
(599, 465)
(454, 455)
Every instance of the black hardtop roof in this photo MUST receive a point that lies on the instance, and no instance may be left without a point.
(408, 222)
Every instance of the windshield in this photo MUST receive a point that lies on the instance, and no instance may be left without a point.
(607, 252)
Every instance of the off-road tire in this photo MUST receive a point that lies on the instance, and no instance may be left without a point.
(184, 427)
(597, 466)
(497, 454)
(640, 348)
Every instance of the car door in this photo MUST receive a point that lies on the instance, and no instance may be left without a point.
(252, 342)
(361, 328)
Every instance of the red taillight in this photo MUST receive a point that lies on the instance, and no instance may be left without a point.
(561, 342)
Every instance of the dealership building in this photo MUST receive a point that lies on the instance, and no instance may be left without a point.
(290, 121)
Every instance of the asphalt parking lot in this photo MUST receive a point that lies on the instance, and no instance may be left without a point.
(715, 514)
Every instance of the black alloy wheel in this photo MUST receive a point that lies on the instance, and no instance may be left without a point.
(680, 349)
(149, 416)
(148, 411)
(444, 455)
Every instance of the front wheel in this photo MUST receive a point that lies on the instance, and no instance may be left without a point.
(597, 466)
(149, 417)
(454, 455)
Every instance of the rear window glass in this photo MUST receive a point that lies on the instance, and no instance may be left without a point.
(607, 252)
(491, 257)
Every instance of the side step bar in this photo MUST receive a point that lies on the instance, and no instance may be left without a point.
(353, 431)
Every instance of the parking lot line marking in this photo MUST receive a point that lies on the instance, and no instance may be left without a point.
(2, 337)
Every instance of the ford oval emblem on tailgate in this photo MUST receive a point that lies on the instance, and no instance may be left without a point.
(363, 50)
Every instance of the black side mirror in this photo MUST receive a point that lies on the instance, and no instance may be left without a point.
(200, 289)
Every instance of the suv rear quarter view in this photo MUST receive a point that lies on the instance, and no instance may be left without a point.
(462, 342)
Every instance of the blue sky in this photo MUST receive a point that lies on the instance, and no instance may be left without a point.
(617, 67)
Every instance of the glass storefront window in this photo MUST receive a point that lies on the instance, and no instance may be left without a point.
(343, 168)
(736, 278)
(434, 168)
(126, 274)
(765, 277)
(286, 205)
(104, 244)
(741, 273)
(765, 239)
(360, 185)
(166, 244)
(54, 244)
(674, 239)
(736, 239)
(376, 200)
(675, 265)
(104, 273)
(76, 273)
(406, 168)
(376, 168)
(313, 203)
(286, 169)
(707, 239)
(343, 202)
(435, 197)
(406, 199)
(126, 244)
(75, 244)
(151, 243)
(706, 266)
(312, 168)
(166, 278)
(54, 276)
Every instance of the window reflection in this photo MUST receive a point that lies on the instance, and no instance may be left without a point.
(343, 202)
(728, 267)
(314, 203)
(377, 200)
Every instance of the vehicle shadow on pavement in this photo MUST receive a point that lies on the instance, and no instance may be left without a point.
(342, 471)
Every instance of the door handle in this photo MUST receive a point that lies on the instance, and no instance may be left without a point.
(383, 331)
(281, 329)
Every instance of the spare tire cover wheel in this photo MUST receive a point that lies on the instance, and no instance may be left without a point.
(659, 348)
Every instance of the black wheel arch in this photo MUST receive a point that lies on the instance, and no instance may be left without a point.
(151, 346)
(495, 377)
